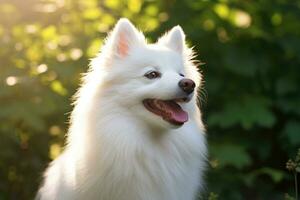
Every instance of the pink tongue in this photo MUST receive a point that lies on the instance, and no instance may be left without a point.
(177, 114)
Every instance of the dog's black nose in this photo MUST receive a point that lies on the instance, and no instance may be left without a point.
(187, 85)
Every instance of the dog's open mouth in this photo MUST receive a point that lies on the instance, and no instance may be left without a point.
(169, 110)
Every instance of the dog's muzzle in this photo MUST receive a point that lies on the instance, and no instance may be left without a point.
(187, 85)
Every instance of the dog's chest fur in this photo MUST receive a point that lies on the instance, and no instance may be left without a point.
(162, 167)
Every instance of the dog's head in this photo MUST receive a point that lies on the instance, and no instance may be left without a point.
(155, 82)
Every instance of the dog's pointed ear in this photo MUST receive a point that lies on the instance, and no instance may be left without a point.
(124, 37)
(174, 39)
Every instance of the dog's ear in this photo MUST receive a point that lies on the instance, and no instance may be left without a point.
(174, 39)
(124, 37)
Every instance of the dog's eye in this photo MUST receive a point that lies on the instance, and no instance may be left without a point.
(180, 74)
(152, 75)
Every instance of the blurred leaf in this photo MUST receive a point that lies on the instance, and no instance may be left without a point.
(57, 87)
(108, 19)
(248, 112)
(276, 19)
(213, 196)
(94, 48)
(222, 10)
(292, 132)
(55, 150)
(231, 155)
(24, 112)
(290, 105)
(240, 62)
(274, 174)
(151, 10)
(33, 53)
(49, 33)
(113, 4)
(92, 13)
(134, 5)
(286, 85)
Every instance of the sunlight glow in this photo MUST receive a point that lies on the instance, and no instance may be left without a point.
(31, 29)
(242, 19)
(61, 57)
(55, 130)
(11, 80)
(75, 53)
(65, 40)
(41, 68)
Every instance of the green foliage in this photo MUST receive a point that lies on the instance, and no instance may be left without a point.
(252, 110)
(231, 154)
(291, 132)
(247, 112)
(213, 196)
(288, 197)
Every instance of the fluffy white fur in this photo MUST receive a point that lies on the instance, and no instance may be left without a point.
(118, 150)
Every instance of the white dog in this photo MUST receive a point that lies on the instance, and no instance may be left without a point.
(136, 132)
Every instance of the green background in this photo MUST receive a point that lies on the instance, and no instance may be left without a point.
(250, 100)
